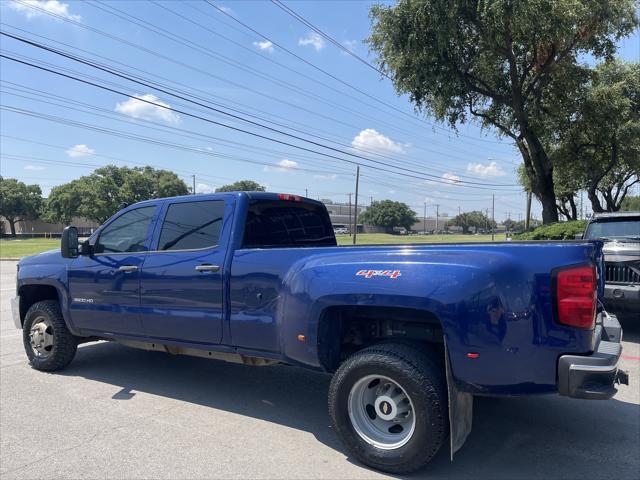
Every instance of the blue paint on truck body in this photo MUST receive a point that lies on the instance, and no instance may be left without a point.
(493, 299)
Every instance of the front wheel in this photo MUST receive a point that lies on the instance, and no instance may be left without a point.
(49, 344)
(388, 405)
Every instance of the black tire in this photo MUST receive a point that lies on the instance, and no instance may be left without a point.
(65, 343)
(421, 377)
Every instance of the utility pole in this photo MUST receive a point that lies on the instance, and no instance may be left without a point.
(459, 210)
(424, 219)
(437, 215)
(350, 215)
(486, 220)
(528, 215)
(371, 203)
(493, 213)
(355, 214)
(194, 184)
(306, 192)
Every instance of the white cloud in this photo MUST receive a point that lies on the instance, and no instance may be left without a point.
(138, 107)
(225, 9)
(491, 169)
(33, 167)
(204, 188)
(312, 40)
(265, 46)
(375, 142)
(80, 150)
(349, 45)
(284, 165)
(30, 8)
(328, 176)
(450, 178)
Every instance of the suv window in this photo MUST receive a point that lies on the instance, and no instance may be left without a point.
(192, 225)
(620, 228)
(127, 233)
(281, 223)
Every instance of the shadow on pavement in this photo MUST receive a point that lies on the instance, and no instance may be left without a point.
(543, 436)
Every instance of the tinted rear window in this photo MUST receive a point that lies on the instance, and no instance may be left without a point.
(282, 223)
(192, 225)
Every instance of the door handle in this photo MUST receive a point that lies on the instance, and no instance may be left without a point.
(128, 268)
(206, 267)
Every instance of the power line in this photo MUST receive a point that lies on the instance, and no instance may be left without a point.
(326, 36)
(353, 87)
(209, 137)
(248, 114)
(161, 55)
(217, 110)
(171, 129)
(172, 36)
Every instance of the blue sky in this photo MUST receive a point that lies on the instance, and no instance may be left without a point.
(194, 48)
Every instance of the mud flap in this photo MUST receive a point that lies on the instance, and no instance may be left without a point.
(460, 409)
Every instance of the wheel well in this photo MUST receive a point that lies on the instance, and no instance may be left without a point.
(344, 330)
(30, 294)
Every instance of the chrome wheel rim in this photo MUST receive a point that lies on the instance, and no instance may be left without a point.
(41, 337)
(381, 412)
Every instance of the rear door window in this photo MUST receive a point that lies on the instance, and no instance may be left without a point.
(281, 223)
(192, 225)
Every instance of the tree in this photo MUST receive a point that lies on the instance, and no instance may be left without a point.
(599, 142)
(101, 194)
(508, 65)
(631, 204)
(242, 186)
(19, 201)
(389, 214)
(475, 219)
(510, 225)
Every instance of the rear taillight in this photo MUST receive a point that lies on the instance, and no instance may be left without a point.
(576, 296)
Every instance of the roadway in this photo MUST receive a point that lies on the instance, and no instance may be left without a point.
(123, 413)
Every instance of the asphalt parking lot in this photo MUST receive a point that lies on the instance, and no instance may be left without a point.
(124, 413)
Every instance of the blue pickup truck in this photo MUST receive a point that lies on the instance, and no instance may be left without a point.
(410, 333)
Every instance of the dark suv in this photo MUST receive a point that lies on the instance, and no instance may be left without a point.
(621, 234)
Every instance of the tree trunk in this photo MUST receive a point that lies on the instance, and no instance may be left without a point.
(574, 208)
(596, 206)
(540, 172)
(12, 225)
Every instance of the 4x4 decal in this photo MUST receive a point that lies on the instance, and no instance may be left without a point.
(379, 273)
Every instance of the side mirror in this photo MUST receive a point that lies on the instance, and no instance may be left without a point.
(69, 243)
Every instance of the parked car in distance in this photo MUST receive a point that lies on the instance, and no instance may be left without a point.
(620, 232)
(410, 333)
(340, 231)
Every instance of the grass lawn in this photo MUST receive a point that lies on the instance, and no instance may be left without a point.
(22, 248)
(385, 238)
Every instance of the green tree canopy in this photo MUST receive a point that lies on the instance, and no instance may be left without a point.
(101, 194)
(510, 65)
(242, 186)
(19, 201)
(631, 204)
(389, 214)
(599, 143)
(468, 220)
